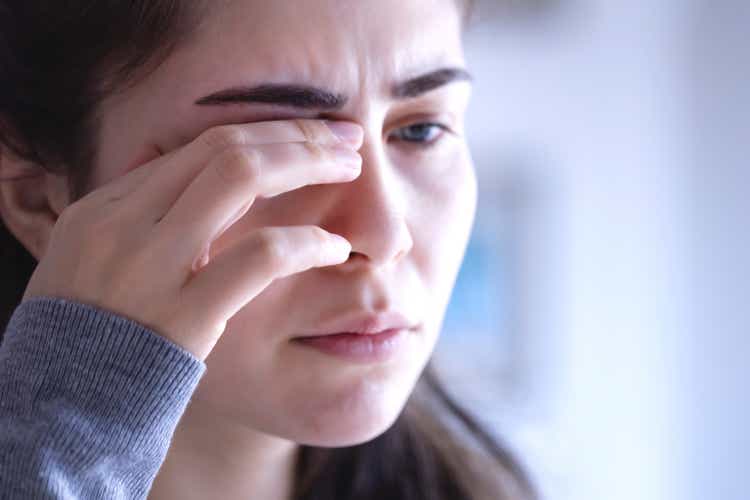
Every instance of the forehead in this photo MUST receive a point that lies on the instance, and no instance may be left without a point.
(341, 44)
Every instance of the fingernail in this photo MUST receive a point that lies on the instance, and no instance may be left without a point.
(347, 157)
(349, 133)
(340, 241)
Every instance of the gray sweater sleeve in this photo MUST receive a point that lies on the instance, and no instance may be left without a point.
(89, 401)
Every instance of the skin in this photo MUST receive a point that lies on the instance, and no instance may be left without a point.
(407, 216)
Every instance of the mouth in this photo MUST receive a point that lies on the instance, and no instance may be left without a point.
(364, 323)
(361, 348)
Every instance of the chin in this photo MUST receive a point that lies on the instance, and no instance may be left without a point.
(349, 432)
(352, 419)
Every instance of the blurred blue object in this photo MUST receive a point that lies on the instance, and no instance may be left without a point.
(478, 307)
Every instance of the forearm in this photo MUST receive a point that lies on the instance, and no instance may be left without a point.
(89, 401)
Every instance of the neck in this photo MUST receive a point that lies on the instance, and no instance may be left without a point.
(211, 456)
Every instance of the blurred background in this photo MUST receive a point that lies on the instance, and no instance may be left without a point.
(599, 321)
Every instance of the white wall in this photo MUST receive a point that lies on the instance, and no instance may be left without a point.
(592, 104)
(719, 416)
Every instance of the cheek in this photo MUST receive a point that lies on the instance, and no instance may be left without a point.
(443, 213)
(443, 218)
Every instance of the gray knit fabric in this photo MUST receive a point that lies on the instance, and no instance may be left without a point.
(89, 401)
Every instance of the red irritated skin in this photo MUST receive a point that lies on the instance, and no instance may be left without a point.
(407, 215)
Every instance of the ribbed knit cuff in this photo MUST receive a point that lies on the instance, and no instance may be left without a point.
(129, 385)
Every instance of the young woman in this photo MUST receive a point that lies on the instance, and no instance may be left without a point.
(231, 230)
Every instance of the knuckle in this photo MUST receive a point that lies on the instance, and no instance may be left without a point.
(69, 214)
(222, 137)
(240, 164)
(312, 130)
(73, 216)
(318, 152)
(272, 249)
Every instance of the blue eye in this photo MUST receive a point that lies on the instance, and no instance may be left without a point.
(422, 134)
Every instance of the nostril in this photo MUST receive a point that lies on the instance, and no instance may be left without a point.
(355, 256)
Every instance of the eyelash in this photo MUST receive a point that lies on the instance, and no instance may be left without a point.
(422, 144)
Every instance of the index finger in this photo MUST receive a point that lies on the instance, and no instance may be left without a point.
(214, 140)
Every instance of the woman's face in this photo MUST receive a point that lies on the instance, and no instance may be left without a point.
(407, 216)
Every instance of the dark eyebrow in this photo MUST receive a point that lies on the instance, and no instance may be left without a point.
(306, 97)
(430, 81)
(296, 96)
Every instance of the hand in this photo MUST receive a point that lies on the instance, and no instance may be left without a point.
(139, 245)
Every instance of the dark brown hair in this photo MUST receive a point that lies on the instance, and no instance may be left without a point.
(58, 60)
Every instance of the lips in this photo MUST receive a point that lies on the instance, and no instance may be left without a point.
(361, 348)
(363, 323)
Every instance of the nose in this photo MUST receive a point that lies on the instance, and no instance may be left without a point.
(371, 212)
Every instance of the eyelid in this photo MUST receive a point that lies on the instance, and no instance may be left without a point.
(442, 126)
(448, 120)
(422, 117)
(419, 147)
